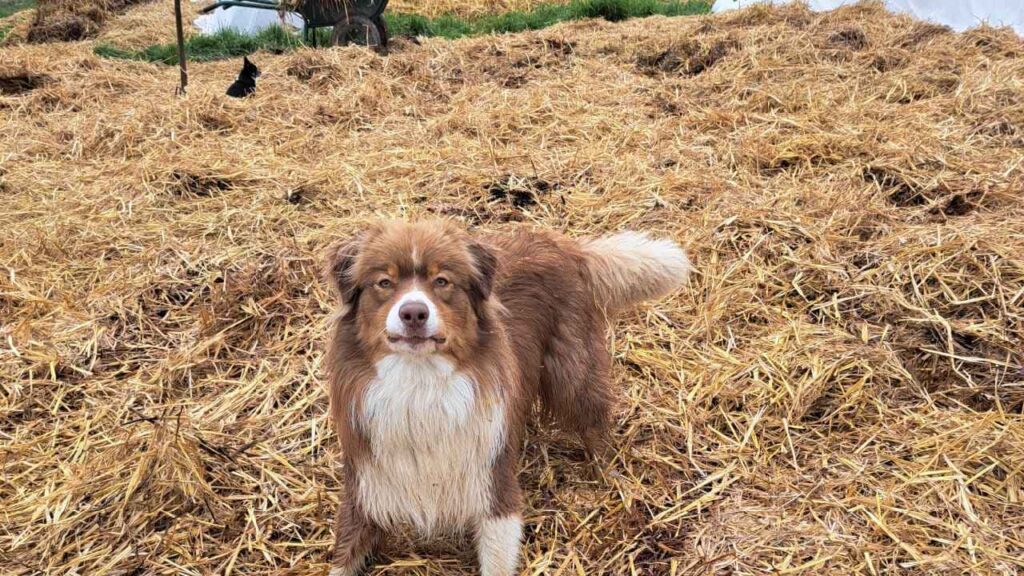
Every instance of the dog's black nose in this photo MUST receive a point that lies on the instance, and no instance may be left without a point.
(414, 314)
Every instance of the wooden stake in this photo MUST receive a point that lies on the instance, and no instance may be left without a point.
(181, 48)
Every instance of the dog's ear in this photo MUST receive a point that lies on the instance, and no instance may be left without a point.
(338, 268)
(486, 266)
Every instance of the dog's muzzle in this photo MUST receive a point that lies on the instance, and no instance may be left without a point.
(413, 323)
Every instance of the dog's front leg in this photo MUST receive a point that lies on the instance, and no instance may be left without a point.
(498, 534)
(355, 538)
(498, 544)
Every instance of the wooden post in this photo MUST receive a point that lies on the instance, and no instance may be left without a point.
(181, 48)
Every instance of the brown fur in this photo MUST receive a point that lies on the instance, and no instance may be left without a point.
(558, 329)
(521, 314)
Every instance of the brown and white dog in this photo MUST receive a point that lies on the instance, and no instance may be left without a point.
(442, 344)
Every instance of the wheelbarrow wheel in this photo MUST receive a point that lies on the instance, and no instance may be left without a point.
(382, 29)
(360, 30)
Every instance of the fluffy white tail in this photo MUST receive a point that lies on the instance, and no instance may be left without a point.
(630, 267)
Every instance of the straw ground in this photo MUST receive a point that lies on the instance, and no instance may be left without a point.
(837, 391)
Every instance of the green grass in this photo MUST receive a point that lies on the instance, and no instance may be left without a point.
(203, 48)
(227, 44)
(541, 16)
(8, 7)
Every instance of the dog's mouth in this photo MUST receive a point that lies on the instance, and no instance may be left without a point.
(416, 341)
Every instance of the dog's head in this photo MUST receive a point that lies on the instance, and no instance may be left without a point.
(249, 70)
(422, 288)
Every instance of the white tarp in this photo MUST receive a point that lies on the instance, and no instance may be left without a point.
(957, 14)
(244, 20)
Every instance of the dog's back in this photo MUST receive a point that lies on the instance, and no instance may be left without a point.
(242, 87)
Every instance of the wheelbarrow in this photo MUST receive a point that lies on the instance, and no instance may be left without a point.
(353, 21)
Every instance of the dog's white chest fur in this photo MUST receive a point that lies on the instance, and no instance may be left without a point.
(433, 443)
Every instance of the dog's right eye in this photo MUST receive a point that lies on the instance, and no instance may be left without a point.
(384, 283)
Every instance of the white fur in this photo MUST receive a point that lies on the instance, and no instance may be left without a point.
(342, 572)
(630, 267)
(498, 545)
(394, 323)
(433, 442)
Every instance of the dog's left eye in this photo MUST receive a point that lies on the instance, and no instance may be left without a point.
(440, 282)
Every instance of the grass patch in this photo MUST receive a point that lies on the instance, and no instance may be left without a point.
(228, 43)
(203, 48)
(8, 7)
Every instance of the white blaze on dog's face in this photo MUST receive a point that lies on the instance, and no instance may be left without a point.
(414, 322)
(415, 289)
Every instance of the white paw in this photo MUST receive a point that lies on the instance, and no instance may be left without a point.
(498, 545)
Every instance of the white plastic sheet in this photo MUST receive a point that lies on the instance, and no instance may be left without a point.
(245, 20)
(957, 14)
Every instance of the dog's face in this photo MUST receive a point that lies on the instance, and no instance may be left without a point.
(249, 69)
(414, 288)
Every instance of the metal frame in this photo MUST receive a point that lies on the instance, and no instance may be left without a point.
(313, 14)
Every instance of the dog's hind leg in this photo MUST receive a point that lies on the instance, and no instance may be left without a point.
(575, 385)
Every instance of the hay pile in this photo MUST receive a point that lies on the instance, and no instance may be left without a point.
(69, 20)
(147, 24)
(839, 390)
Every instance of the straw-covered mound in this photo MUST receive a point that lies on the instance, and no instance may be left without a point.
(149, 23)
(838, 390)
(66, 20)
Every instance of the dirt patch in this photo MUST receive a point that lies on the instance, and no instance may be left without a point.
(852, 38)
(304, 194)
(963, 203)
(12, 84)
(689, 59)
(519, 191)
(887, 61)
(563, 47)
(897, 188)
(515, 70)
(188, 185)
(948, 199)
